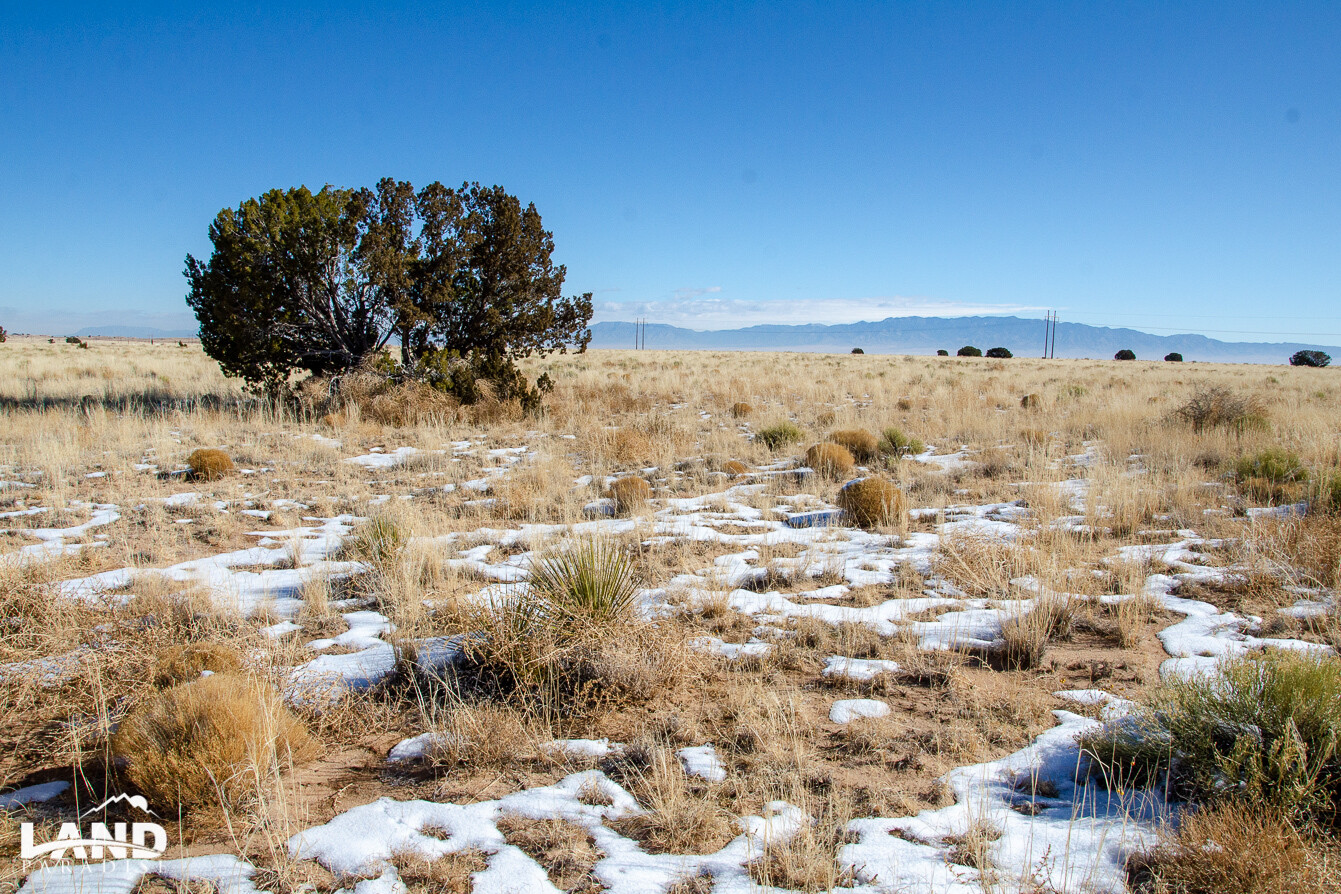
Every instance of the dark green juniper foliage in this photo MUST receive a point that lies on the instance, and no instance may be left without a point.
(462, 278)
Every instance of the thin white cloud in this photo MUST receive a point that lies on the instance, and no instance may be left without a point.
(697, 311)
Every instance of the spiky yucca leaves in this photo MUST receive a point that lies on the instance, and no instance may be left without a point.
(591, 579)
(380, 541)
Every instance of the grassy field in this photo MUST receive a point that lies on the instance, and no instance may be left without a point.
(612, 631)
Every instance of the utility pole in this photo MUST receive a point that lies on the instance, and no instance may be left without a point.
(1047, 329)
(1052, 351)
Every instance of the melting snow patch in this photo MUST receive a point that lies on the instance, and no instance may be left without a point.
(860, 669)
(849, 709)
(703, 761)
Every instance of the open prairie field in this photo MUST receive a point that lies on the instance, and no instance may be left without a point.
(711, 622)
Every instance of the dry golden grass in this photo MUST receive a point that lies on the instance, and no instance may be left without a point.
(216, 741)
(567, 851)
(184, 663)
(69, 413)
(1239, 848)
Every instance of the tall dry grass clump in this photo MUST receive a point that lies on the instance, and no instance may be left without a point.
(1236, 849)
(185, 662)
(209, 464)
(830, 460)
(874, 502)
(216, 741)
(740, 410)
(860, 443)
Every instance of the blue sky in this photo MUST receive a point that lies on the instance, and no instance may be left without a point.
(1169, 167)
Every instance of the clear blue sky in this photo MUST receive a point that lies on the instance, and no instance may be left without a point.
(1161, 166)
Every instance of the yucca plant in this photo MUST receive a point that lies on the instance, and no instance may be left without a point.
(589, 579)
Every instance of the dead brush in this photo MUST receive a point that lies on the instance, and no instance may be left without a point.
(981, 565)
(209, 742)
(451, 873)
(184, 663)
(1216, 406)
(740, 409)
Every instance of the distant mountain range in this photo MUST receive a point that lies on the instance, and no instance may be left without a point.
(925, 335)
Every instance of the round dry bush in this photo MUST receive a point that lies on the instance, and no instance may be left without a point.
(830, 460)
(874, 501)
(207, 464)
(859, 442)
(735, 468)
(740, 409)
(630, 493)
(184, 663)
(218, 740)
(1031, 401)
(630, 445)
(1034, 437)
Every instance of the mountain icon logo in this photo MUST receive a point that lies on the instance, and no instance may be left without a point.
(139, 802)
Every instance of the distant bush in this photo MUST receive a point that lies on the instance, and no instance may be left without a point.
(208, 464)
(858, 351)
(740, 409)
(873, 501)
(1309, 358)
(1031, 401)
(893, 442)
(630, 493)
(1173, 357)
(858, 441)
(999, 353)
(73, 340)
(969, 351)
(215, 740)
(942, 353)
(1217, 407)
(735, 468)
(781, 434)
(829, 460)
(1264, 730)
(4, 335)
(1125, 354)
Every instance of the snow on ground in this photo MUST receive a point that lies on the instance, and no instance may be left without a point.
(1055, 827)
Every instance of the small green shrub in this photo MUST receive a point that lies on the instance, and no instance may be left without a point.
(999, 353)
(1173, 357)
(1125, 354)
(942, 353)
(380, 541)
(1264, 730)
(1272, 474)
(969, 351)
(858, 351)
(781, 434)
(893, 442)
(859, 442)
